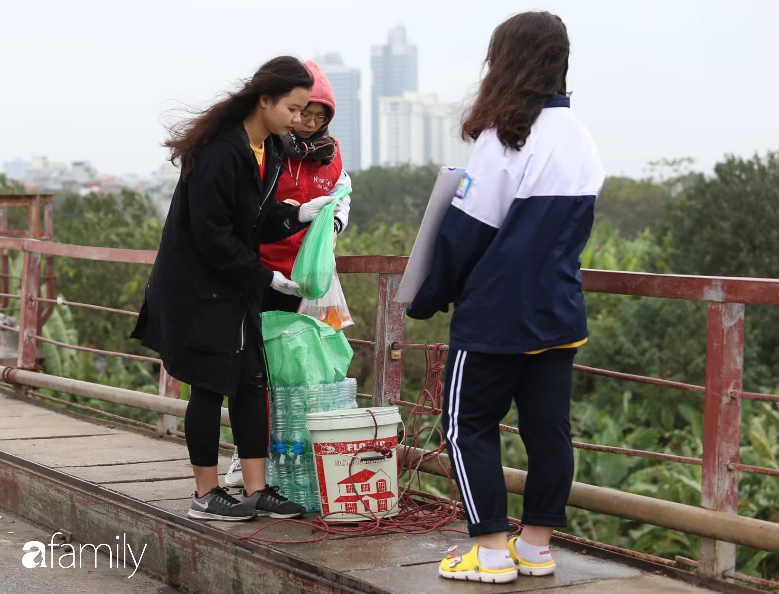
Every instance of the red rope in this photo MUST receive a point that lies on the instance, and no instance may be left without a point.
(420, 512)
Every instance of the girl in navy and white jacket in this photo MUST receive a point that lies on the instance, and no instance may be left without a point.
(507, 256)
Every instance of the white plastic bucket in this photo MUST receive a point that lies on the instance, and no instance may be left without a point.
(337, 436)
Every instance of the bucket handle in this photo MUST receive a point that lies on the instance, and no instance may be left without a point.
(372, 458)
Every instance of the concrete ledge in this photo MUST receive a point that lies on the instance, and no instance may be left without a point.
(186, 553)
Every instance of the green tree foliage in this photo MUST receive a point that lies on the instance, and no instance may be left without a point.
(728, 224)
(632, 206)
(392, 194)
(126, 221)
(108, 371)
(10, 186)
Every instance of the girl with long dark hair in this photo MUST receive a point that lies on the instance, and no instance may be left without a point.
(314, 167)
(507, 256)
(201, 311)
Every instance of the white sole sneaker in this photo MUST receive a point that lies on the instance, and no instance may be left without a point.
(234, 479)
(197, 515)
(275, 516)
(478, 576)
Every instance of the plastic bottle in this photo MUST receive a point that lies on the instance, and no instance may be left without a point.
(330, 400)
(314, 399)
(348, 393)
(313, 504)
(271, 471)
(283, 469)
(296, 417)
(301, 481)
(279, 415)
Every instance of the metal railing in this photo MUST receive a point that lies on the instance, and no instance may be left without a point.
(716, 521)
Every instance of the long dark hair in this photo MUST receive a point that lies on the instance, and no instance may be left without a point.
(527, 63)
(274, 79)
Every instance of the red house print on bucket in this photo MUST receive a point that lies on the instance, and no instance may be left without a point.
(372, 487)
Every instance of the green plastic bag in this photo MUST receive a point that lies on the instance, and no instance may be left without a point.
(302, 351)
(313, 269)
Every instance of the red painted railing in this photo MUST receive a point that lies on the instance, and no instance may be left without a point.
(723, 390)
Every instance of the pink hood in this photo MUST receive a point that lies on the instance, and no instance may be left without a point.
(322, 91)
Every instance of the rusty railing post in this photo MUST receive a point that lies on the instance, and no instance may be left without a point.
(28, 310)
(390, 325)
(48, 278)
(721, 429)
(169, 388)
(4, 264)
(34, 218)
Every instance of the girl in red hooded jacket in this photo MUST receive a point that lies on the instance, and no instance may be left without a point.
(313, 169)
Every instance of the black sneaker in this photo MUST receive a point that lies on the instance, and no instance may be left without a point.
(218, 505)
(269, 502)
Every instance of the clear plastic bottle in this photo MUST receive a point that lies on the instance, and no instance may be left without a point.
(347, 392)
(314, 399)
(279, 431)
(271, 471)
(313, 504)
(301, 482)
(330, 397)
(283, 469)
(296, 421)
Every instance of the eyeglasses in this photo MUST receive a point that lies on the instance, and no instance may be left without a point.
(320, 120)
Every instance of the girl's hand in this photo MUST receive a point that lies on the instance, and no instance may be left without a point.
(310, 209)
(283, 285)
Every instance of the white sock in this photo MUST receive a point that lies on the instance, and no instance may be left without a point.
(531, 553)
(492, 559)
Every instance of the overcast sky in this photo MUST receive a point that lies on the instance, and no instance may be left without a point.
(91, 79)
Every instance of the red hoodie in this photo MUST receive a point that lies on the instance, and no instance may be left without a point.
(303, 181)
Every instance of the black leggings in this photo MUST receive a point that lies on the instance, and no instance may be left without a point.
(249, 413)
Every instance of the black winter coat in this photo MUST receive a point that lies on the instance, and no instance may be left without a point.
(208, 278)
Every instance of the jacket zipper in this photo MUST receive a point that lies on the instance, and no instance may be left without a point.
(272, 185)
(270, 189)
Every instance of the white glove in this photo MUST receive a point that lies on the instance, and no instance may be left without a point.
(283, 285)
(310, 209)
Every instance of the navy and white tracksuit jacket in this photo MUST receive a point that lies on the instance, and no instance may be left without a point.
(507, 254)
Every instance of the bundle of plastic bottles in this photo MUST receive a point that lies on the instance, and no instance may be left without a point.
(291, 461)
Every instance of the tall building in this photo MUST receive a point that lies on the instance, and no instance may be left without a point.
(44, 172)
(418, 129)
(346, 125)
(16, 169)
(394, 71)
(82, 172)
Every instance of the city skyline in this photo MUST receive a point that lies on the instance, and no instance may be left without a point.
(422, 134)
(394, 70)
(648, 86)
